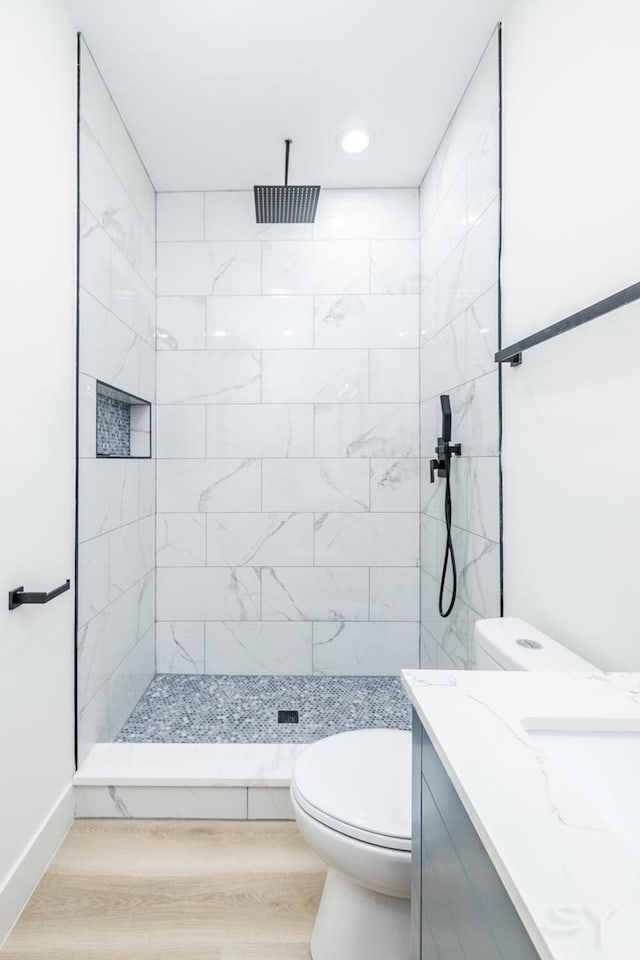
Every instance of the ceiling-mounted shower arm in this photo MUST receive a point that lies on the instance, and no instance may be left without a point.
(287, 147)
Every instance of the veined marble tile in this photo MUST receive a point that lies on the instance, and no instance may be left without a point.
(180, 431)
(180, 216)
(368, 649)
(110, 351)
(481, 334)
(93, 577)
(483, 169)
(205, 376)
(315, 593)
(395, 593)
(130, 169)
(102, 191)
(146, 487)
(131, 554)
(367, 539)
(443, 359)
(394, 376)
(94, 99)
(328, 266)
(314, 485)
(451, 634)
(352, 321)
(208, 593)
(194, 269)
(308, 376)
(366, 214)
(179, 647)
(258, 323)
(260, 430)
(448, 225)
(478, 561)
(106, 639)
(260, 539)
(146, 376)
(180, 323)
(428, 650)
(130, 680)
(208, 486)
(366, 430)
(483, 497)
(395, 484)
(110, 495)
(180, 803)
(472, 268)
(93, 723)
(95, 257)
(86, 416)
(258, 648)
(432, 544)
(181, 539)
(428, 307)
(231, 215)
(474, 412)
(130, 299)
(395, 266)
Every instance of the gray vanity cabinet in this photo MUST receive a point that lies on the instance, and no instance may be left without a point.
(460, 909)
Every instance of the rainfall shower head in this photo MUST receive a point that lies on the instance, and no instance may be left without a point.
(285, 204)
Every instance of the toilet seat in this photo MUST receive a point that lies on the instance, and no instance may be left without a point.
(359, 784)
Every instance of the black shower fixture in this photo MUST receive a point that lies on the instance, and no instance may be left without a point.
(285, 204)
(441, 466)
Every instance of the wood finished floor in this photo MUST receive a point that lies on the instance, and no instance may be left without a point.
(179, 889)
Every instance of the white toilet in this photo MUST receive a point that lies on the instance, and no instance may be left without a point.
(351, 796)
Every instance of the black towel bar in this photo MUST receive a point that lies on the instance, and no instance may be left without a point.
(17, 596)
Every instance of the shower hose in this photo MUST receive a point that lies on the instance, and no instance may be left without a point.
(449, 557)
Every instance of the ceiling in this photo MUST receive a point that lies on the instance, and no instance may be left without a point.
(210, 88)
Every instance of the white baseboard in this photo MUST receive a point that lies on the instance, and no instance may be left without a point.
(25, 876)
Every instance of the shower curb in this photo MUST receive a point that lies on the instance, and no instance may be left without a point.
(244, 781)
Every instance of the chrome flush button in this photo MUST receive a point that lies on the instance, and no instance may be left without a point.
(529, 644)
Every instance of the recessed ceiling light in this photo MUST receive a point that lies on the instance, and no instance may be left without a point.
(355, 141)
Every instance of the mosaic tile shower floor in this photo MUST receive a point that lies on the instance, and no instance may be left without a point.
(178, 708)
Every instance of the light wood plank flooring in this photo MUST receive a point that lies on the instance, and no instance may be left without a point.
(179, 889)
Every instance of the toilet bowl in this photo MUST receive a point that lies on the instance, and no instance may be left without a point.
(351, 796)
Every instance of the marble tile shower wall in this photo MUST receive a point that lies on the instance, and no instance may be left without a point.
(287, 427)
(459, 266)
(116, 522)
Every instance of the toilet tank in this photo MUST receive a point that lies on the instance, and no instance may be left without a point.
(508, 643)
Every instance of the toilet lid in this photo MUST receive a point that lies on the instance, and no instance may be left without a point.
(359, 784)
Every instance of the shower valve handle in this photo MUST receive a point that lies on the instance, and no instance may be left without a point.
(445, 451)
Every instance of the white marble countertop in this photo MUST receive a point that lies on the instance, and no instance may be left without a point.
(573, 880)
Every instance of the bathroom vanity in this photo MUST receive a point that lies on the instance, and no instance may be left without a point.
(525, 844)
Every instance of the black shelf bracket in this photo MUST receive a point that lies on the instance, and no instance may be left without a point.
(17, 596)
(513, 354)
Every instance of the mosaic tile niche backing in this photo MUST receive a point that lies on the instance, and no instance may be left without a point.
(113, 427)
(183, 708)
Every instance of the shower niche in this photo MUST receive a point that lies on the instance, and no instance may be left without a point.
(123, 424)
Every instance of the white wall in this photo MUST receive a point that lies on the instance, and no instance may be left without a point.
(571, 237)
(288, 436)
(37, 388)
(459, 224)
(116, 497)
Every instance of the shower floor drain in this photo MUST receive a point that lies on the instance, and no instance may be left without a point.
(287, 716)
